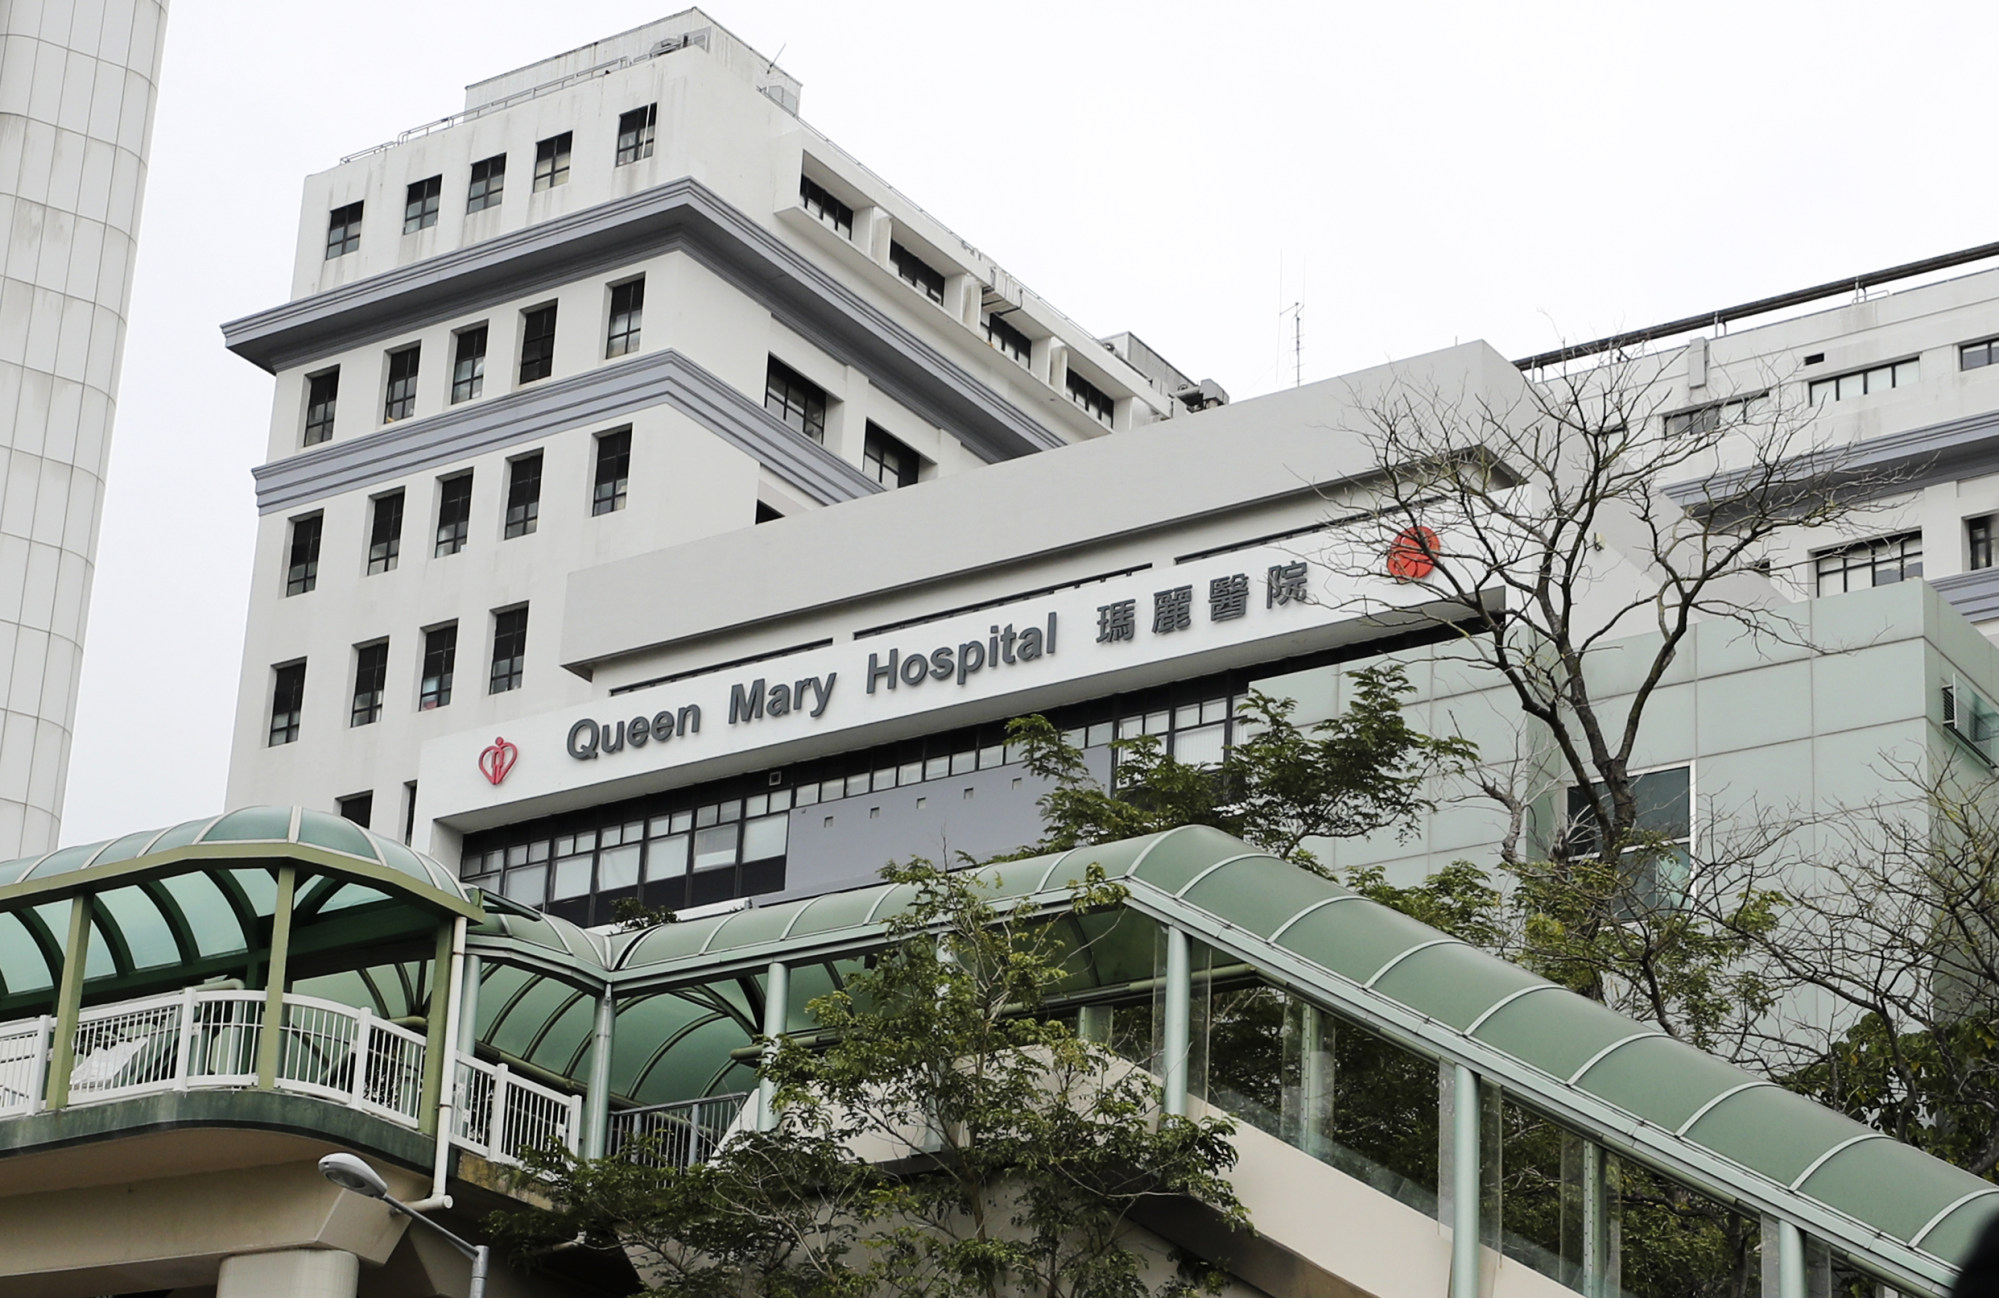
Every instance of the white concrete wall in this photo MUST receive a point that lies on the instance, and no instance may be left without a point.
(78, 81)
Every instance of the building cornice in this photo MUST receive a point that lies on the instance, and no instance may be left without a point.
(599, 395)
(1974, 594)
(1881, 466)
(681, 215)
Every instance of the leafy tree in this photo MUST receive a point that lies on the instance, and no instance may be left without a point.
(940, 1137)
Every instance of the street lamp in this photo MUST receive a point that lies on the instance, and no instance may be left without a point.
(350, 1173)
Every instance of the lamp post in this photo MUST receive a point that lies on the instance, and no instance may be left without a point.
(350, 1173)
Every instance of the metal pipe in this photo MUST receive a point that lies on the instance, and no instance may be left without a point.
(1790, 1261)
(1464, 1185)
(454, 1000)
(597, 1102)
(1175, 1031)
(777, 1014)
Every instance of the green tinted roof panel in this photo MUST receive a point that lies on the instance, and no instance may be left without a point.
(252, 825)
(335, 833)
(1775, 1131)
(1662, 1080)
(1454, 983)
(1258, 893)
(1355, 938)
(1888, 1184)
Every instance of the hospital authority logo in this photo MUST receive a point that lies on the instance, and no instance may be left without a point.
(497, 760)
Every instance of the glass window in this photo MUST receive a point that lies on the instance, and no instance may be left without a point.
(916, 272)
(627, 309)
(399, 398)
(1978, 535)
(1880, 378)
(420, 206)
(815, 199)
(1091, 398)
(1881, 562)
(551, 162)
(371, 679)
(1009, 340)
(468, 364)
(359, 808)
(454, 513)
(887, 460)
(510, 647)
(1201, 745)
(635, 132)
(489, 181)
(1658, 866)
(385, 533)
(764, 837)
(440, 655)
(795, 399)
(302, 567)
(572, 877)
(538, 343)
(523, 495)
(614, 471)
(528, 886)
(715, 847)
(618, 867)
(322, 393)
(666, 858)
(287, 702)
(343, 230)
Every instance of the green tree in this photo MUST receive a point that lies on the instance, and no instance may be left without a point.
(938, 1137)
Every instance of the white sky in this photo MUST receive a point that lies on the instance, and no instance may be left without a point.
(1424, 173)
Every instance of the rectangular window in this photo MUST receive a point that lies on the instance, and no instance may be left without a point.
(628, 302)
(1978, 532)
(614, 470)
(489, 181)
(454, 513)
(371, 683)
(302, 571)
(1976, 356)
(887, 460)
(551, 162)
(635, 131)
(813, 198)
(795, 399)
(1090, 397)
(1716, 415)
(468, 365)
(1005, 338)
(399, 398)
(287, 701)
(440, 656)
(916, 272)
(322, 393)
(420, 205)
(343, 230)
(360, 808)
(538, 343)
(1867, 382)
(1659, 864)
(385, 533)
(510, 648)
(1881, 562)
(523, 495)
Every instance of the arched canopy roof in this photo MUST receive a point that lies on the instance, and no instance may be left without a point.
(1624, 1083)
(171, 906)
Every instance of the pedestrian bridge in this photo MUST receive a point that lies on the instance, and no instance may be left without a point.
(190, 1017)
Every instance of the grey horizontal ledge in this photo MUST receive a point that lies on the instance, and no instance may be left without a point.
(1974, 594)
(609, 392)
(680, 215)
(1905, 461)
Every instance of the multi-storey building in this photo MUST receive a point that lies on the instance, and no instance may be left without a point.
(625, 300)
(77, 84)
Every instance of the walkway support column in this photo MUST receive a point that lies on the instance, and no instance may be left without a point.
(437, 1027)
(777, 1014)
(1465, 1109)
(1790, 1261)
(597, 1110)
(270, 1037)
(297, 1273)
(69, 1000)
(1596, 1222)
(1175, 1034)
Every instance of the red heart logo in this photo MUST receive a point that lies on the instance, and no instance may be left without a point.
(497, 760)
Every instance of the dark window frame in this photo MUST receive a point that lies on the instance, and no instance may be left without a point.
(302, 553)
(385, 532)
(538, 326)
(322, 400)
(1978, 540)
(1900, 555)
(610, 482)
(287, 703)
(371, 683)
(343, 230)
(636, 130)
(1089, 398)
(1009, 341)
(440, 665)
(626, 319)
(816, 199)
(488, 183)
(796, 400)
(420, 204)
(551, 160)
(468, 363)
(454, 514)
(399, 389)
(884, 454)
(914, 271)
(523, 496)
(510, 647)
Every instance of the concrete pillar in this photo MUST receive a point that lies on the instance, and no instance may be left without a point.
(295, 1273)
(1175, 1035)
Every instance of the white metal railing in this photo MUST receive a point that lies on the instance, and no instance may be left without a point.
(502, 1115)
(203, 1039)
(676, 1135)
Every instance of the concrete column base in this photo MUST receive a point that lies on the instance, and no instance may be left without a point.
(296, 1273)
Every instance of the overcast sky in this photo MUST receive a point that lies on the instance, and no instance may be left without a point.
(1420, 174)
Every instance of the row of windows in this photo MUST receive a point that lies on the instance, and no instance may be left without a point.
(801, 404)
(435, 681)
(488, 181)
(609, 486)
(468, 361)
(1878, 378)
(1838, 387)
